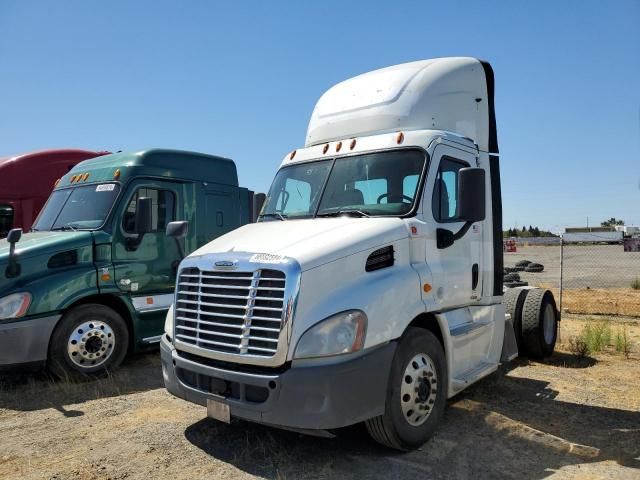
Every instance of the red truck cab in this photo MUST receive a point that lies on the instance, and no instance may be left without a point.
(27, 180)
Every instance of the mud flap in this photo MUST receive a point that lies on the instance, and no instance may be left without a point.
(509, 345)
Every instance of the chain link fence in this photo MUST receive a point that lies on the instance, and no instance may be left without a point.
(590, 277)
(599, 278)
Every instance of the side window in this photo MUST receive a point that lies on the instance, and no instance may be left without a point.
(445, 190)
(162, 211)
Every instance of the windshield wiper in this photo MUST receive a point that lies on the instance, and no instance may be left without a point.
(277, 215)
(349, 212)
(68, 226)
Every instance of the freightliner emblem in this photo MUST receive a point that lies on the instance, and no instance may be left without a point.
(225, 264)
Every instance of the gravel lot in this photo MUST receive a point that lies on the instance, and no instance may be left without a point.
(564, 418)
(594, 266)
(596, 278)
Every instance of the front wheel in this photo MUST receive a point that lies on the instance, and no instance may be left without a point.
(416, 393)
(90, 339)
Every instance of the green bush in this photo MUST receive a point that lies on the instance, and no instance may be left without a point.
(596, 336)
(623, 344)
(635, 283)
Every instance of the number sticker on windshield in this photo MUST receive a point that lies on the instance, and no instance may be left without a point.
(106, 187)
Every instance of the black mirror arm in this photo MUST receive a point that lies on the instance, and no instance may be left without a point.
(463, 231)
(132, 243)
(180, 249)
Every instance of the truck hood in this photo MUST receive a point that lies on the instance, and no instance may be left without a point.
(312, 242)
(35, 249)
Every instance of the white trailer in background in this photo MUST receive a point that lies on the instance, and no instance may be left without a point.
(371, 289)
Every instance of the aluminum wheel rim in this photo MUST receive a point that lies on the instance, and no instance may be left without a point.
(549, 323)
(91, 344)
(419, 389)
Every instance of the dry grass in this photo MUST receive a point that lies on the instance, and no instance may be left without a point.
(601, 301)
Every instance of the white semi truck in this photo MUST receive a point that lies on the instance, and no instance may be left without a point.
(371, 288)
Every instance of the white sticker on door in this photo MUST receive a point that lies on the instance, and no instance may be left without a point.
(105, 187)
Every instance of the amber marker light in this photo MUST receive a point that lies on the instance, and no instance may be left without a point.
(85, 177)
(338, 146)
(325, 148)
(105, 277)
(426, 287)
(353, 144)
(400, 138)
(116, 174)
(55, 184)
(293, 154)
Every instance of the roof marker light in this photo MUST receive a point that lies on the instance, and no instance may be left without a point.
(56, 183)
(338, 146)
(353, 144)
(85, 177)
(73, 179)
(116, 174)
(293, 154)
(325, 148)
(400, 138)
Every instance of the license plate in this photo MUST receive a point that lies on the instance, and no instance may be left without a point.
(218, 410)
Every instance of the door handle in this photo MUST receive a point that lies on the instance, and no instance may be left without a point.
(474, 276)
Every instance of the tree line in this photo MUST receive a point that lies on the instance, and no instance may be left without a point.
(527, 232)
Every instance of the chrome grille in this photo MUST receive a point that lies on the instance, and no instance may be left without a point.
(230, 312)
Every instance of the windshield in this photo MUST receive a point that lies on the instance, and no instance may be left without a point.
(79, 208)
(375, 184)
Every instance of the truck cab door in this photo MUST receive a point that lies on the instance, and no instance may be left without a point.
(144, 268)
(457, 268)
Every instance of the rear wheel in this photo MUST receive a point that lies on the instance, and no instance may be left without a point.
(416, 393)
(90, 339)
(539, 323)
(513, 301)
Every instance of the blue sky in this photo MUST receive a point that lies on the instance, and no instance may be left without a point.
(240, 79)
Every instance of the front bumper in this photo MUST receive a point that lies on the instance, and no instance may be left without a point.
(310, 397)
(26, 341)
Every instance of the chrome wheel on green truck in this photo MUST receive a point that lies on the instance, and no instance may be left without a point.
(90, 339)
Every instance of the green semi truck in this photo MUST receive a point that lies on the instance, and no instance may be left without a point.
(94, 278)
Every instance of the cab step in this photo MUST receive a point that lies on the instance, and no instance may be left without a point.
(474, 374)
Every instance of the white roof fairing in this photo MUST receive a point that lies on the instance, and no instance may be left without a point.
(448, 94)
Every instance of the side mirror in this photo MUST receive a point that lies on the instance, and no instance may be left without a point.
(15, 234)
(13, 269)
(178, 230)
(471, 194)
(144, 219)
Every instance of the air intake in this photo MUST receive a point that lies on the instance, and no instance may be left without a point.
(381, 258)
(63, 259)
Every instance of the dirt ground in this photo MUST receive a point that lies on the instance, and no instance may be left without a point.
(562, 418)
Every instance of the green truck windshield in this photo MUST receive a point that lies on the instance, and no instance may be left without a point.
(78, 208)
(375, 184)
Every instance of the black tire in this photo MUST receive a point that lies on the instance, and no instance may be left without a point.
(514, 284)
(511, 277)
(509, 270)
(536, 304)
(513, 301)
(108, 335)
(523, 263)
(392, 429)
(534, 267)
(518, 269)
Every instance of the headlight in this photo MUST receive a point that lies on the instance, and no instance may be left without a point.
(14, 305)
(168, 323)
(341, 333)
